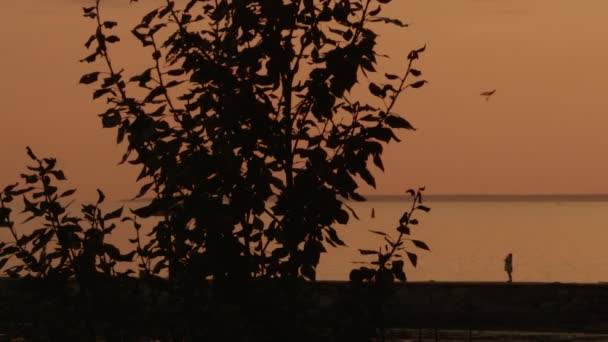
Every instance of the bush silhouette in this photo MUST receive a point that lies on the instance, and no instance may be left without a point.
(250, 143)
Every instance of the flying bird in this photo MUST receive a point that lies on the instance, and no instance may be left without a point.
(487, 94)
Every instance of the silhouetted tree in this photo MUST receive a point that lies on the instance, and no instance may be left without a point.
(246, 101)
(250, 141)
(247, 135)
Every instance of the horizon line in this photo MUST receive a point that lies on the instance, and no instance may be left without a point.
(477, 197)
(499, 197)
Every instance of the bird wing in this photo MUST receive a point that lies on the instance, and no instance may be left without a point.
(488, 93)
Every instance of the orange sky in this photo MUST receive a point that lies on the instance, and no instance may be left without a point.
(542, 132)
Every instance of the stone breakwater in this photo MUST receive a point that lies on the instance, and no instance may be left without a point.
(502, 306)
(557, 307)
(443, 305)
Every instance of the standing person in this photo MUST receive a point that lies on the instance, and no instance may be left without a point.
(509, 266)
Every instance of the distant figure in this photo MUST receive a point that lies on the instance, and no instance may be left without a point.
(509, 266)
(487, 94)
(373, 213)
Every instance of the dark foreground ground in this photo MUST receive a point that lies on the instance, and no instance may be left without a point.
(431, 335)
(417, 311)
(557, 307)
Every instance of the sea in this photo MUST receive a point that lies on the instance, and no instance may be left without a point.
(553, 238)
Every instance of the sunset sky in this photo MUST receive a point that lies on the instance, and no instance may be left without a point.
(544, 131)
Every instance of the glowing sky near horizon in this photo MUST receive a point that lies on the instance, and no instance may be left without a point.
(544, 131)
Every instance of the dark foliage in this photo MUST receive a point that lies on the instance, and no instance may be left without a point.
(250, 143)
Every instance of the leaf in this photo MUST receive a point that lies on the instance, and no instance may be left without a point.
(176, 72)
(144, 189)
(111, 118)
(109, 24)
(14, 272)
(3, 262)
(413, 258)
(341, 216)
(376, 90)
(50, 190)
(376, 11)
(348, 35)
(89, 78)
(90, 41)
(421, 245)
(368, 252)
(351, 211)
(418, 84)
(279, 253)
(423, 208)
(125, 257)
(59, 175)
(90, 58)
(101, 197)
(159, 266)
(43, 240)
(9, 188)
(378, 232)
(21, 191)
(378, 161)
(30, 153)
(367, 177)
(395, 121)
(391, 76)
(112, 39)
(10, 250)
(415, 72)
(381, 133)
(154, 93)
(333, 236)
(173, 84)
(113, 215)
(67, 193)
(101, 92)
(403, 230)
(309, 272)
(392, 21)
(404, 218)
(357, 197)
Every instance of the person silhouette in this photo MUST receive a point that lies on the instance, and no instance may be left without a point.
(509, 266)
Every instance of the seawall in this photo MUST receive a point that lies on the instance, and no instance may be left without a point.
(497, 306)
(443, 305)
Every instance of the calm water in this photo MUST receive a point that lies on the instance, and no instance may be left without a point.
(552, 239)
